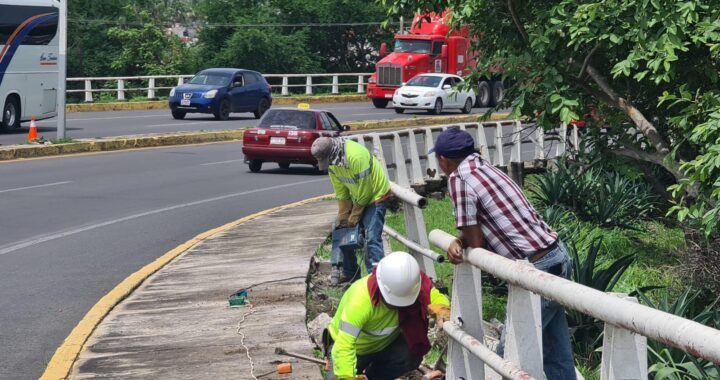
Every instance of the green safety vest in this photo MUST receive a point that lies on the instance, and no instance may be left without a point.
(363, 180)
(359, 328)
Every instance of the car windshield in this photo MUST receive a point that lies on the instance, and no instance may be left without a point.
(412, 46)
(425, 81)
(211, 79)
(288, 119)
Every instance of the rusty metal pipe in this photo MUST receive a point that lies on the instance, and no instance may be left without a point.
(408, 196)
(694, 338)
(427, 252)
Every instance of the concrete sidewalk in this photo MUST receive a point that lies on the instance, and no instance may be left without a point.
(178, 324)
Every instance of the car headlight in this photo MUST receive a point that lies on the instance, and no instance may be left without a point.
(172, 92)
(210, 94)
(428, 94)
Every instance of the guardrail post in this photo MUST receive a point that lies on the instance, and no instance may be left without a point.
(624, 354)
(284, 91)
(335, 85)
(563, 140)
(361, 84)
(515, 168)
(180, 81)
(481, 142)
(151, 89)
(466, 311)
(121, 90)
(523, 343)
(415, 167)
(499, 155)
(379, 154)
(539, 143)
(308, 85)
(432, 164)
(88, 91)
(414, 221)
(575, 138)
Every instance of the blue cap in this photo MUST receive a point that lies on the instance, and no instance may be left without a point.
(454, 143)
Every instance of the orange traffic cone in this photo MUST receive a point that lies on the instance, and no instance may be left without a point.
(32, 135)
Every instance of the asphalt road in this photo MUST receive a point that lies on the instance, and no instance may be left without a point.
(121, 123)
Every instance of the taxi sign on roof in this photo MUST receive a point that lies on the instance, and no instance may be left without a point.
(303, 106)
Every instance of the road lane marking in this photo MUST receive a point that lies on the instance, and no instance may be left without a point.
(52, 121)
(181, 124)
(43, 239)
(221, 162)
(65, 356)
(35, 187)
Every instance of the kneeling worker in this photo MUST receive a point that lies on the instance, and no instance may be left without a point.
(381, 325)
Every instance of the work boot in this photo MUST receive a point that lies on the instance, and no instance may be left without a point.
(336, 275)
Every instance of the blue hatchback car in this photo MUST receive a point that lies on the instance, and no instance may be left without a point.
(220, 92)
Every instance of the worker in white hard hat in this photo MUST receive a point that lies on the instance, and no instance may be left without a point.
(380, 328)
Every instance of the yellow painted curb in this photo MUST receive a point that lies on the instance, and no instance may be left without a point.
(420, 121)
(62, 361)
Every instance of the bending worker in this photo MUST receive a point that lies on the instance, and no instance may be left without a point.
(381, 325)
(362, 190)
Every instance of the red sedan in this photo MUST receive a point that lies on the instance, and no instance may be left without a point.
(285, 136)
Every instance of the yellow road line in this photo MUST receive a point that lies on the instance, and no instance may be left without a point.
(65, 356)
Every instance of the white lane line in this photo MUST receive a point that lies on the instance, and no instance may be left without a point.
(106, 118)
(42, 239)
(35, 187)
(221, 162)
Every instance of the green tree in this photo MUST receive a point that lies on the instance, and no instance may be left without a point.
(642, 66)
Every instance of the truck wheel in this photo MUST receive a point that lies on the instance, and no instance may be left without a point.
(380, 103)
(223, 112)
(468, 106)
(437, 110)
(178, 115)
(255, 166)
(11, 114)
(484, 95)
(399, 110)
(498, 92)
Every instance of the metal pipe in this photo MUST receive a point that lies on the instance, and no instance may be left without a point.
(694, 338)
(427, 252)
(503, 367)
(408, 196)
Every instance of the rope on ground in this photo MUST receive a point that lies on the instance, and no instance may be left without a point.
(242, 340)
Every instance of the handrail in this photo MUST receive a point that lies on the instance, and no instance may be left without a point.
(690, 336)
(438, 258)
(408, 196)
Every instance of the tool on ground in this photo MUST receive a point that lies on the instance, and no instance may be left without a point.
(281, 369)
(281, 351)
(238, 299)
(32, 134)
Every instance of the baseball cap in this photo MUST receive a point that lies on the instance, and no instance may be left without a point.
(453, 143)
(321, 149)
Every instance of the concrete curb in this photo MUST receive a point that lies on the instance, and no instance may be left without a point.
(163, 104)
(62, 361)
(14, 152)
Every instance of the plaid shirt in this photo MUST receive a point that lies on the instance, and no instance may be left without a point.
(483, 195)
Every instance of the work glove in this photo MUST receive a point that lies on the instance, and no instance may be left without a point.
(358, 377)
(344, 209)
(355, 215)
(441, 314)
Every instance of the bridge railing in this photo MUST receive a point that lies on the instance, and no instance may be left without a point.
(151, 85)
(627, 324)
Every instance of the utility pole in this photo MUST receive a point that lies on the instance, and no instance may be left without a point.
(62, 67)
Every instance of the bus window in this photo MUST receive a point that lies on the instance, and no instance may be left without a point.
(37, 30)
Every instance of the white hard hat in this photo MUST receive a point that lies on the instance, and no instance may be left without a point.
(398, 277)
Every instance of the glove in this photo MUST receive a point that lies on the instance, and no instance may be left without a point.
(355, 215)
(440, 312)
(358, 377)
(344, 210)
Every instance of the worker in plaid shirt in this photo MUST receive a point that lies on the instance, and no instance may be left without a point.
(492, 212)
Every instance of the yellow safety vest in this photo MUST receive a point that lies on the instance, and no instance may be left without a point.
(363, 180)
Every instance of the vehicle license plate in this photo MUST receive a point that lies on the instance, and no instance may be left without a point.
(277, 141)
(185, 102)
(389, 96)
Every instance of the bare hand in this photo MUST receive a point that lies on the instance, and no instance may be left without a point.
(455, 252)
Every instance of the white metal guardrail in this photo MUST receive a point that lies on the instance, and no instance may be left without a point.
(149, 84)
(627, 323)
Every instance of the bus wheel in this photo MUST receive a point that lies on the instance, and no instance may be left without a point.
(11, 114)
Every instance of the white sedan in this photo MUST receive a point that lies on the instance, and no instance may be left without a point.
(434, 93)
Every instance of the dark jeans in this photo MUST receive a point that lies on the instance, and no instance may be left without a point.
(373, 220)
(388, 364)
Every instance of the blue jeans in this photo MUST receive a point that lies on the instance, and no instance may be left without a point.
(373, 220)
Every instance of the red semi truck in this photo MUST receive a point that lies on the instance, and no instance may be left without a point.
(429, 47)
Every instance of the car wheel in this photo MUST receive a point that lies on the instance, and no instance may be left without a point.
(11, 114)
(255, 166)
(468, 106)
(178, 115)
(262, 107)
(437, 110)
(380, 103)
(498, 92)
(484, 95)
(223, 112)
(284, 165)
(399, 110)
